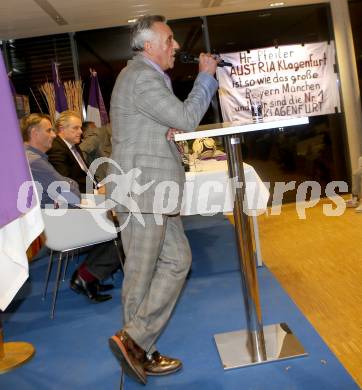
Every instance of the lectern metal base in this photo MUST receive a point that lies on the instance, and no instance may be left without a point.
(16, 353)
(280, 343)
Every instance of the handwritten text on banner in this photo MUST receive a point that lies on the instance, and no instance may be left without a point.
(293, 80)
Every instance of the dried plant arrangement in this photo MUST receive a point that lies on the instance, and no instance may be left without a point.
(47, 90)
(74, 95)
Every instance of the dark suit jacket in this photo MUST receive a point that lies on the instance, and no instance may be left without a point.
(66, 164)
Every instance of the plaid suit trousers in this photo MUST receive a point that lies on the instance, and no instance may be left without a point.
(158, 258)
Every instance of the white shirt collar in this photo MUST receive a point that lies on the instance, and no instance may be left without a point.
(67, 143)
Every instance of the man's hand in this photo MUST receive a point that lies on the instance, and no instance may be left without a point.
(207, 63)
(170, 135)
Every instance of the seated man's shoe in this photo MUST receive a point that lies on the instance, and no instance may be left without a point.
(105, 287)
(89, 289)
(157, 364)
(129, 355)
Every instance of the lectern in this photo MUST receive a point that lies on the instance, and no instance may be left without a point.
(256, 344)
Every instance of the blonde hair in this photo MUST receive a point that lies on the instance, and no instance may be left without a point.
(64, 117)
(29, 121)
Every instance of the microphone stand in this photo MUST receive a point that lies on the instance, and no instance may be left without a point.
(13, 354)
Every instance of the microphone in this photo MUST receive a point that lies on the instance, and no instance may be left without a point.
(187, 58)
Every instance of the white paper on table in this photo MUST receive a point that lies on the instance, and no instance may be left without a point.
(210, 191)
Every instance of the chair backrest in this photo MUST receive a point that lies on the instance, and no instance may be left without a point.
(67, 229)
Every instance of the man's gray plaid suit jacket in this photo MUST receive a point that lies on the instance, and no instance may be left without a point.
(143, 108)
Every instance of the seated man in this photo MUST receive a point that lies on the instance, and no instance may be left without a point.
(65, 154)
(87, 125)
(96, 142)
(356, 199)
(102, 260)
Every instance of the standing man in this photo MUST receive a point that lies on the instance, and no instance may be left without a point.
(145, 115)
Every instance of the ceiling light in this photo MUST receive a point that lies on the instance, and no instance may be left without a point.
(276, 4)
(131, 20)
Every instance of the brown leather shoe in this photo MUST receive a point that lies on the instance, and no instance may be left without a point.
(157, 364)
(129, 355)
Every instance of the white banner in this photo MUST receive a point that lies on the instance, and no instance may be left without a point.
(276, 82)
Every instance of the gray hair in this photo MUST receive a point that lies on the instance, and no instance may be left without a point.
(141, 30)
